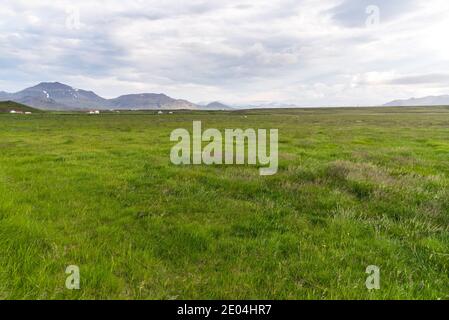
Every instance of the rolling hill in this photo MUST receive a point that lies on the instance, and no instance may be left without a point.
(8, 106)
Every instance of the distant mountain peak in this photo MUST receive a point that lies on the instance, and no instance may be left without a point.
(216, 105)
(150, 101)
(53, 85)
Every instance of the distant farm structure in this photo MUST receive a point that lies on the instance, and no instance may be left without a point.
(19, 112)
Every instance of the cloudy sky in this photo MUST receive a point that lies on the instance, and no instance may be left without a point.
(305, 52)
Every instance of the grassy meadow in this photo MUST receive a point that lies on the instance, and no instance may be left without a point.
(355, 187)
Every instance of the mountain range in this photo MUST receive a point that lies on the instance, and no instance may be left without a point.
(59, 96)
(426, 101)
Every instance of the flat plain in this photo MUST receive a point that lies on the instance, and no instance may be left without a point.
(355, 187)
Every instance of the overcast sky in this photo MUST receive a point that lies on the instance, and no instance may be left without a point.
(310, 53)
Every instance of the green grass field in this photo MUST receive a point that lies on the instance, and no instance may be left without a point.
(355, 187)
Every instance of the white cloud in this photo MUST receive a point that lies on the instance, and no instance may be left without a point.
(298, 51)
